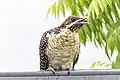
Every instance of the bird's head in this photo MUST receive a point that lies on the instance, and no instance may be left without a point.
(74, 22)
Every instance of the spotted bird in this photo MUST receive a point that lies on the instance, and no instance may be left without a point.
(59, 47)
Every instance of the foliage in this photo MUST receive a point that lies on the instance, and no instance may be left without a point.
(104, 22)
(100, 64)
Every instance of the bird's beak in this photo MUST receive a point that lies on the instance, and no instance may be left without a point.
(81, 22)
(77, 24)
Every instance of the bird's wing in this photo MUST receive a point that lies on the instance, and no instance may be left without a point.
(44, 62)
(75, 60)
(76, 57)
(42, 52)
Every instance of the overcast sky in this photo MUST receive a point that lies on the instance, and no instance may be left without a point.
(22, 22)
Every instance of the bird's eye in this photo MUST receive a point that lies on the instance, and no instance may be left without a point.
(73, 19)
(81, 18)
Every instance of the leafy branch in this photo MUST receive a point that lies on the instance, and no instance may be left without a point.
(104, 22)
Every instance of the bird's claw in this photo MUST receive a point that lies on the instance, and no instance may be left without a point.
(51, 69)
(68, 73)
(69, 70)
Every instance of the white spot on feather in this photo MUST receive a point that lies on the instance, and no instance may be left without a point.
(47, 35)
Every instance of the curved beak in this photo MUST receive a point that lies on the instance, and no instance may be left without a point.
(78, 23)
(81, 22)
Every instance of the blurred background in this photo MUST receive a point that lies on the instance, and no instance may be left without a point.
(22, 23)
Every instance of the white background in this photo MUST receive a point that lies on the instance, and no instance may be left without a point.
(22, 22)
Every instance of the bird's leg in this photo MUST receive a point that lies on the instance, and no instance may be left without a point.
(69, 71)
(51, 69)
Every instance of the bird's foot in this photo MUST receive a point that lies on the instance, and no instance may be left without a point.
(69, 71)
(51, 69)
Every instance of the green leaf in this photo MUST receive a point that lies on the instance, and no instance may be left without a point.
(94, 16)
(116, 64)
(103, 36)
(92, 24)
(109, 29)
(58, 8)
(117, 40)
(114, 11)
(102, 4)
(74, 8)
(99, 40)
(62, 8)
(82, 36)
(80, 6)
(93, 65)
(54, 9)
(118, 45)
(113, 65)
(118, 3)
(95, 42)
(82, 2)
(102, 63)
(86, 4)
(90, 10)
(106, 51)
(104, 16)
(99, 64)
(88, 31)
(96, 8)
(107, 65)
(110, 44)
(117, 24)
(67, 3)
(109, 2)
(108, 12)
(48, 11)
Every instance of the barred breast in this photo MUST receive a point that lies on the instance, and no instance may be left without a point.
(62, 48)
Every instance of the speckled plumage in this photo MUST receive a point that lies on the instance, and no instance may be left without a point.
(44, 62)
(59, 47)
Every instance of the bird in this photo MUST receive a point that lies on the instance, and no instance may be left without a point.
(59, 47)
